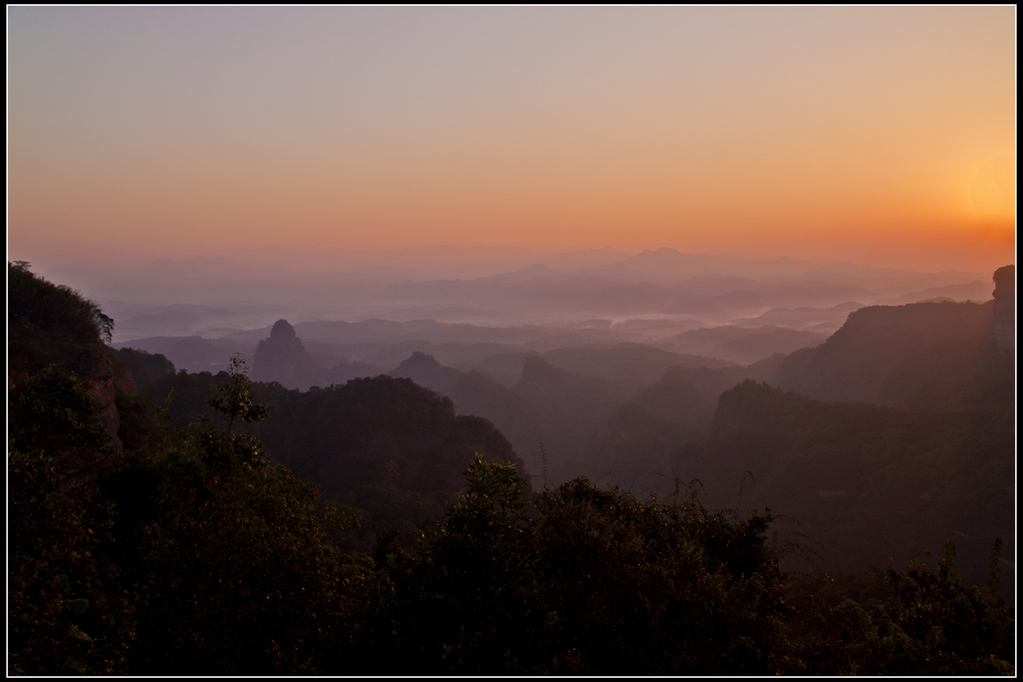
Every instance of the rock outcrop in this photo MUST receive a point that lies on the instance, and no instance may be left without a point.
(932, 355)
(283, 358)
(1005, 307)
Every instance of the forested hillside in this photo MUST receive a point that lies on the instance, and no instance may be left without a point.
(866, 483)
(392, 451)
(224, 526)
(922, 356)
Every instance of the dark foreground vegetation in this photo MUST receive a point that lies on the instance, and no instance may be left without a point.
(186, 551)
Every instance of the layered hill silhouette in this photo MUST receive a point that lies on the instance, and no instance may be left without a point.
(284, 359)
(870, 484)
(895, 435)
(901, 437)
(50, 324)
(389, 449)
(642, 416)
(923, 355)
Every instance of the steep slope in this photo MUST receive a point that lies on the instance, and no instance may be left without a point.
(870, 483)
(389, 448)
(392, 450)
(474, 393)
(923, 355)
(49, 324)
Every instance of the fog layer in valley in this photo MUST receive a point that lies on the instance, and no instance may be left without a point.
(733, 308)
(891, 436)
(635, 371)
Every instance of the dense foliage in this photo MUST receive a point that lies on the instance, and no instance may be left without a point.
(584, 581)
(386, 447)
(868, 482)
(67, 610)
(51, 323)
(189, 552)
(916, 621)
(206, 559)
(200, 558)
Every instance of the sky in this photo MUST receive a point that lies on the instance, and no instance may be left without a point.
(866, 134)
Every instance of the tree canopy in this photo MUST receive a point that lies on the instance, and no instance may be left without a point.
(188, 551)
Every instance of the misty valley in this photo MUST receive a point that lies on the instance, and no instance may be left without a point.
(461, 461)
(511, 340)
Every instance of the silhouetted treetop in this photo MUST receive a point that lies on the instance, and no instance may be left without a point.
(52, 324)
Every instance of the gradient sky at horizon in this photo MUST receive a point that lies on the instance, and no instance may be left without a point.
(867, 134)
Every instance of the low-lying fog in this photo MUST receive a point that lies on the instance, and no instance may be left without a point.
(849, 410)
(715, 305)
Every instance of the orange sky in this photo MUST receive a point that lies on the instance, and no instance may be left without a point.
(870, 134)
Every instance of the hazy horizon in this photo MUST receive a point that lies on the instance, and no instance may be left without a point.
(649, 297)
(431, 256)
(582, 340)
(869, 135)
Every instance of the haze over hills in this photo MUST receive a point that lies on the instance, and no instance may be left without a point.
(924, 455)
(611, 365)
(515, 340)
(634, 402)
(599, 298)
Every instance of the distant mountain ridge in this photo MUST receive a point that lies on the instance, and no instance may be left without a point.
(282, 357)
(243, 289)
(918, 355)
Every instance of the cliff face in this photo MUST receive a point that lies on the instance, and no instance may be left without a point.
(923, 355)
(1005, 307)
(284, 359)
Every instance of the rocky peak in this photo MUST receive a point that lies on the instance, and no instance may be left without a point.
(425, 370)
(419, 362)
(284, 359)
(282, 332)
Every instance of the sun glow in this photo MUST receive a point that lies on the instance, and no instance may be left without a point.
(993, 192)
(881, 132)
